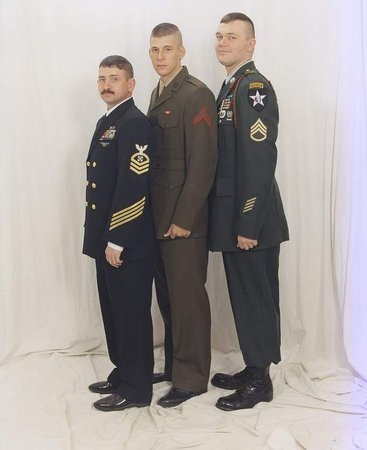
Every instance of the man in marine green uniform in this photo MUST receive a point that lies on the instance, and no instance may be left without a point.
(247, 221)
(182, 111)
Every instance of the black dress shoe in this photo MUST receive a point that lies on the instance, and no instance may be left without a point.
(225, 381)
(115, 402)
(161, 376)
(258, 388)
(176, 396)
(102, 387)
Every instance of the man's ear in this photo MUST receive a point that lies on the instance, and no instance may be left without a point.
(182, 52)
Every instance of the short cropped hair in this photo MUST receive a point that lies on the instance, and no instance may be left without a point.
(120, 62)
(230, 17)
(166, 29)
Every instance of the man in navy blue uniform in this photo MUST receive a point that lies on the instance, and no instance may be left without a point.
(247, 221)
(119, 235)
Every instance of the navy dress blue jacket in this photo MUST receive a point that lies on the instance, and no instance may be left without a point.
(118, 206)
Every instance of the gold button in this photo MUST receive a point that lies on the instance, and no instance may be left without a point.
(88, 163)
(87, 183)
(94, 185)
(93, 206)
(94, 164)
(86, 203)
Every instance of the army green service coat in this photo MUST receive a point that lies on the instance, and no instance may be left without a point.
(245, 198)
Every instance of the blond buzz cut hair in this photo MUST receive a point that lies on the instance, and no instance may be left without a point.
(166, 29)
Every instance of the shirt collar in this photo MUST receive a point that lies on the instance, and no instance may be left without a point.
(235, 70)
(163, 84)
(116, 106)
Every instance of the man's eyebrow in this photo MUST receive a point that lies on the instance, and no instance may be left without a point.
(111, 75)
(165, 46)
(226, 34)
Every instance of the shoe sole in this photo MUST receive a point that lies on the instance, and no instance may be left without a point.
(161, 381)
(225, 408)
(122, 407)
(171, 405)
(228, 388)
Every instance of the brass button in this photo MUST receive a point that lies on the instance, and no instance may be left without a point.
(88, 163)
(94, 164)
(87, 183)
(94, 185)
(86, 203)
(93, 206)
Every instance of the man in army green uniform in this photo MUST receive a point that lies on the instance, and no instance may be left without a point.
(247, 221)
(182, 111)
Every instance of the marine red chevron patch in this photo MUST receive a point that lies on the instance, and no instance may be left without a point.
(201, 116)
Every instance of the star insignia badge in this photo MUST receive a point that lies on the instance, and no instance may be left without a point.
(257, 99)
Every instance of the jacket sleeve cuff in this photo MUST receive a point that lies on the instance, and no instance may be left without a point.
(115, 246)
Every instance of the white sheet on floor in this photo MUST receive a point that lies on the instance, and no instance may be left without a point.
(45, 405)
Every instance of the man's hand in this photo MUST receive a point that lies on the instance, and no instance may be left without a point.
(176, 231)
(113, 257)
(245, 243)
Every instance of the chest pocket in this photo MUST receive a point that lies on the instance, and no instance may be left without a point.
(168, 131)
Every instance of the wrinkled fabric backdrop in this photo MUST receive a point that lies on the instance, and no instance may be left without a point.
(314, 53)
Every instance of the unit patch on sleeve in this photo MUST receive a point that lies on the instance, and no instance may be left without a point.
(257, 98)
(139, 162)
(258, 131)
(256, 85)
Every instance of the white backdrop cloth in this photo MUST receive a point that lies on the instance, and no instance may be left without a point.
(51, 336)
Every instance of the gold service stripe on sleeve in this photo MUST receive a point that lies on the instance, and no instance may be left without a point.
(126, 219)
(128, 209)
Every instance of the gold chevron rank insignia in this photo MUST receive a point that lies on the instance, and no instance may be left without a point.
(249, 205)
(139, 162)
(127, 214)
(258, 131)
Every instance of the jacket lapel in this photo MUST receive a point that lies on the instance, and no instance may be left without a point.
(169, 91)
(104, 122)
(165, 95)
(222, 93)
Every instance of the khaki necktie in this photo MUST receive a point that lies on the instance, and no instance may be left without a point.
(161, 88)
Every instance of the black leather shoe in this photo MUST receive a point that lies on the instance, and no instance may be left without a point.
(159, 377)
(177, 396)
(115, 402)
(258, 388)
(102, 387)
(225, 381)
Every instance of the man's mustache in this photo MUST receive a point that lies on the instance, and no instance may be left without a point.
(107, 91)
